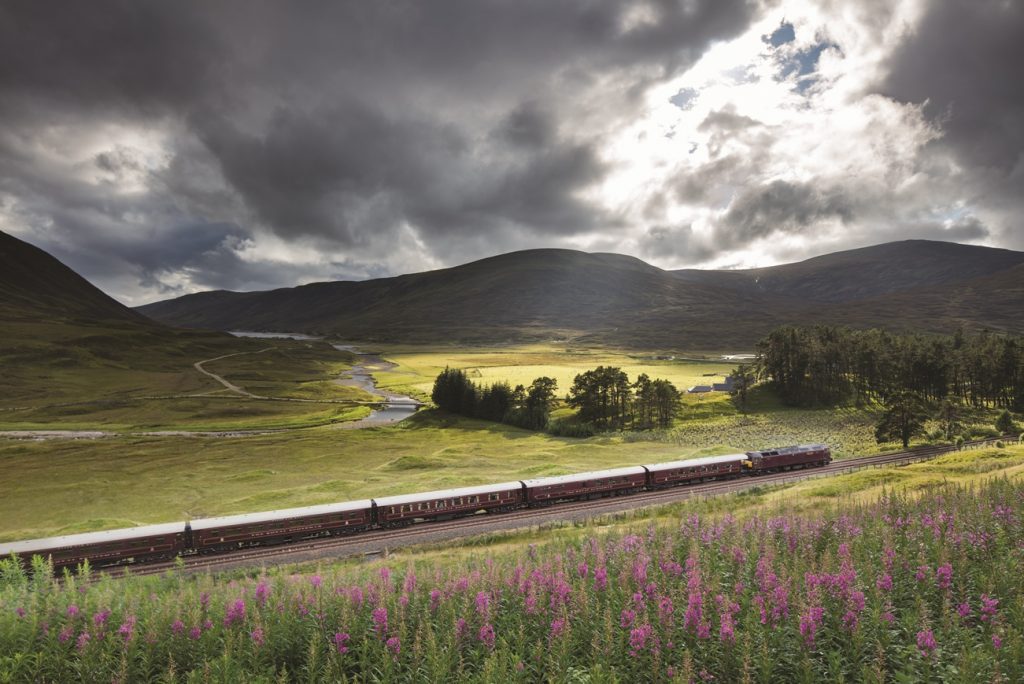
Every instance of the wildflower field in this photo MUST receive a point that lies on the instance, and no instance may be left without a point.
(901, 588)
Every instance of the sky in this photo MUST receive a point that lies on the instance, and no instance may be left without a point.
(164, 148)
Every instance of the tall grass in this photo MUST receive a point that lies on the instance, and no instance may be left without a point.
(903, 588)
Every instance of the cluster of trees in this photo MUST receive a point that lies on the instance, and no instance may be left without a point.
(606, 399)
(828, 366)
(526, 407)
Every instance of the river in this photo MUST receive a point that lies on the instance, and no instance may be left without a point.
(396, 408)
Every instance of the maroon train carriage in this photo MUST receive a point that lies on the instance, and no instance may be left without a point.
(211, 535)
(787, 458)
(549, 490)
(103, 549)
(404, 509)
(694, 470)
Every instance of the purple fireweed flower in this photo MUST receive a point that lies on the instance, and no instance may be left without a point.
(922, 573)
(262, 593)
(409, 585)
(704, 630)
(204, 600)
(234, 613)
(531, 604)
(316, 581)
(557, 628)
(385, 574)
(435, 599)
(207, 625)
(340, 639)
(461, 627)
(601, 578)
(66, 634)
(665, 609)
(638, 638)
(963, 609)
(727, 632)
(810, 623)
(72, 610)
(355, 595)
(989, 607)
(944, 576)
(997, 643)
(926, 643)
(582, 569)
(257, 636)
(83, 641)
(380, 620)
(487, 636)
(127, 629)
(887, 617)
(626, 618)
(483, 602)
(195, 633)
(884, 582)
(177, 627)
(394, 645)
(101, 617)
(640, 570)
(19, 611)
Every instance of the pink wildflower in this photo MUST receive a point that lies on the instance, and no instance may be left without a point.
(487, 636)
(394, 645)
(177, 627)
(989, 607)
(195, 633)
(72, 610)
(234, 613)
(944, 576)
(926, 643)
(997, 643)
(380, 620)
(340, 639)
(258, 637)
(83, 641)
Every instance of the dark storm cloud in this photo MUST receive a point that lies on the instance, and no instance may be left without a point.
(343, 125)
(781, 207)
(963, 62)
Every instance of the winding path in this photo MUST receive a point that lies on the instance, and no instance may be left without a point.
(198, 365)
(392, 407)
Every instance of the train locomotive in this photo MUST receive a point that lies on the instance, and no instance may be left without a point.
(163, 542)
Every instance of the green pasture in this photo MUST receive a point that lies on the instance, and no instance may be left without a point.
(520, 364)
(66, 486)
(118, 382)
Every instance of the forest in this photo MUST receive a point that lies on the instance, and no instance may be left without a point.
(828, 366)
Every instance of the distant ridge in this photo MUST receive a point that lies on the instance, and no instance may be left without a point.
(558, 294)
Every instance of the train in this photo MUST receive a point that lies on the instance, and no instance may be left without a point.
(225, 534)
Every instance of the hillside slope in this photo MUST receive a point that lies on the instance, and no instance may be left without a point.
(614, 299)
(34, 284)
(864, 273)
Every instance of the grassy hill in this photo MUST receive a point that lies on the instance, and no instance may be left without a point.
(613, 299)
(72, 357)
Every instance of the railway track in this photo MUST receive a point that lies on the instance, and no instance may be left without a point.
(376, 542)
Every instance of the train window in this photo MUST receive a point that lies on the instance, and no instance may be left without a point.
(474, 499)
(458, 501)
(493, 497)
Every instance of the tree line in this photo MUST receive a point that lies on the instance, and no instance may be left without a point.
(822, 365)
(526, 407)
(604, 397)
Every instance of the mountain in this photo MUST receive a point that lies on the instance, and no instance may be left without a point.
(608, 298)
(869, 272)
(533, 294)
(34, 285)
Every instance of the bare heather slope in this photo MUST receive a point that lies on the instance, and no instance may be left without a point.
(614, 299)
